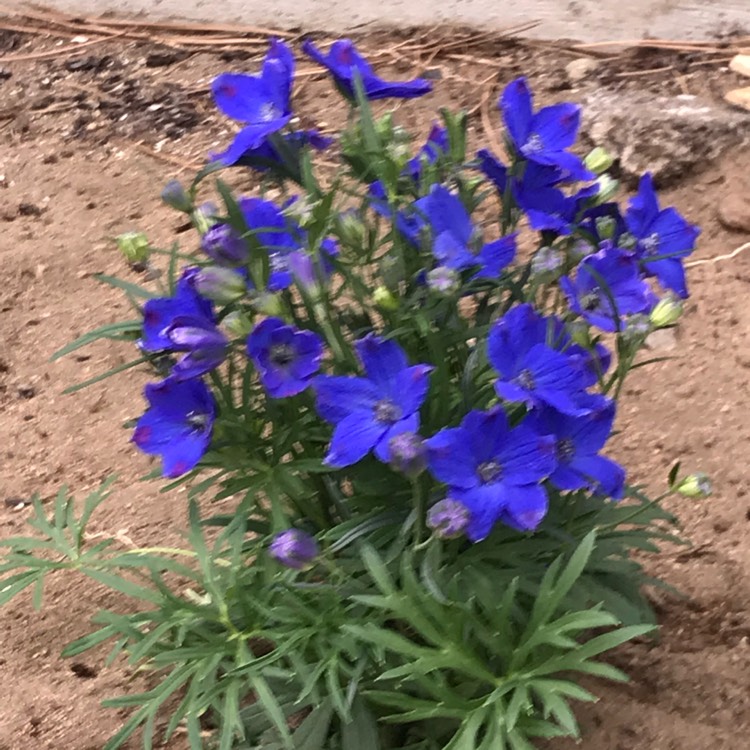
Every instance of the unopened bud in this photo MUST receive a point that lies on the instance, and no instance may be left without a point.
(443, 280)
(294, 549)
(385, 299)
(608, 188)
(225, 245)
(695, 485)
(580, 333)
(547, 263)
(448, 518)
(220, 284)
(174, 195)
(636, 327)
(267, 304)
(606, 227)
(238, 324)
(408, 454)
(599, 160)
(134, 246)
(666, 312)
(351, 229)
(204, 217)
(300, 210)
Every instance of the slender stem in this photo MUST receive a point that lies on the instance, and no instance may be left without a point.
(419, 506)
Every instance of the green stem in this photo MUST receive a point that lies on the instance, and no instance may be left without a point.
(419, 506)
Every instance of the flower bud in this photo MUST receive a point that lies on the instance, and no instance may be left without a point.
(599, 160)
(580, 333)
(448, 518)
(408, 454)
(294, 549)
(636, 327)
(695, 485)
(666, 312)
(267, 304)
(134, 246)
(299, 210)
(204, 217)
(220, 284)
(351, 230)
(580, 249)
(608, 188)
(443, 280)
(238, 324)
(174, 195)
(627, 241)
(225, 245)
(385, 299)
(547, 263)
(605, 227)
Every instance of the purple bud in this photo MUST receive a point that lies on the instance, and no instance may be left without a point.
(294, 549)
(408, 453)
(443, 280)
(448, 518)
(220, 284)
(174, 195)
(225, 245)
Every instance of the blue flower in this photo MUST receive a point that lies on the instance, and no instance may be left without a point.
(262, 101)
(286, 358)
(272, 155)
(310, 270)
(409, 224)
(578, 441)
(495, 471)
(524, 349)
(542, 137)
(344, 63)
(664, 237)
(225, 245)
(456, 244)
(609, 276)
(369, 412)
(294, 548)
(177, 425)
(436, 146)
(205, 346)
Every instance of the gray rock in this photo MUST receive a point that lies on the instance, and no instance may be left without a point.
(669, 136)
(580, 69)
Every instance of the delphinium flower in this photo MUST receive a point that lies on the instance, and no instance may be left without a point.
(178, 423)
(523, 347)
(294, 549)
(184, 323)
(456, 243)
(448, 518)
(368, 412)
(225, 245)
(286, 357)
(664, 237)
(261, 101)
(495, 471)
(608, 286)
(435, 146)
(543, 137)
(578, 441)
(345, 64)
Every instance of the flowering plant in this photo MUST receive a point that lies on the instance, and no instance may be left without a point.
(400, 378)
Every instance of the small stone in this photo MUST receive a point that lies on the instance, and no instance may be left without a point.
(15, 503)
(26, 391)
(663, 339)
(739, 98)
(5, 74)
(734, 212)
(580, 69)
(29, 209)
(160, 59)
(740, 64)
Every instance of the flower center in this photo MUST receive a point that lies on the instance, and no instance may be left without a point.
(387, 412)
(197, 420)
(565, 450)
(650, 244)
(526, 380)
(489, 471)
(589, 302)
(281, 355)
(534, 145)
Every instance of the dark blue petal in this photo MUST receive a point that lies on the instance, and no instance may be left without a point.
(486, 504)
(409, 387)
(450, 459)
(493, 169)
(383, 360)
(671, 275)
(643, 208)
(527, 456)
(337, 397)
(676, 236)
(249, 139)
(556, 126)
(526, 507)
(383, 447)
(452, 253)
(602, 475)
(246, 98)
(278, 72)
(446, 213)
(377, 88)
(516, 107)
(496, 256)
(353, 438)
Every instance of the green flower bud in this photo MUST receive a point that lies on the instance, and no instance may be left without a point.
(443, 280)
(547, 263)
(351, 229)
(636, 328)
(385, 299)
(580, 333)
(695, 485)
(204, 217)
(174, 195)
(608, 188)
(268, 304)
(627, 241)
(134, 246)
(238, 324)
(222, 285)
(606, 227)
(666, 312)
(599, 160)
(300, 210)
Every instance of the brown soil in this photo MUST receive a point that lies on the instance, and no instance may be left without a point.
(84, 149)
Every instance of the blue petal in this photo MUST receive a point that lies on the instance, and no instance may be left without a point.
(487, 432)
(671, 275)
(278, 72)
(451, 253)
(603, 475)
(509, 391)
(512, 336)
(527, 456)
(409, 387)
(526, 507)
(181, 456)
(643, 208)
(377, 88)
(486, 504)
(353, 438)
(557, 126)
(493, 169)
(516, 108)
(591, 432)
(446, 213)
(450, 459)
(495, 256)
(572, 166)
(337, 397)
(383, 447)
(245, 98)
(676, 236)
(248, 139)
(383, 360)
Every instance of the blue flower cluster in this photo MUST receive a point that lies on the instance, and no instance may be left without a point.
(547, 425)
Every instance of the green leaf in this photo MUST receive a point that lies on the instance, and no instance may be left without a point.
(124, 330)
(361, 733)
(136, 290)
(105, 375)
(273, 709)
(312, 733)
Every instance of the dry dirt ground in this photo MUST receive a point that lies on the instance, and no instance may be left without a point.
(86, 143)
